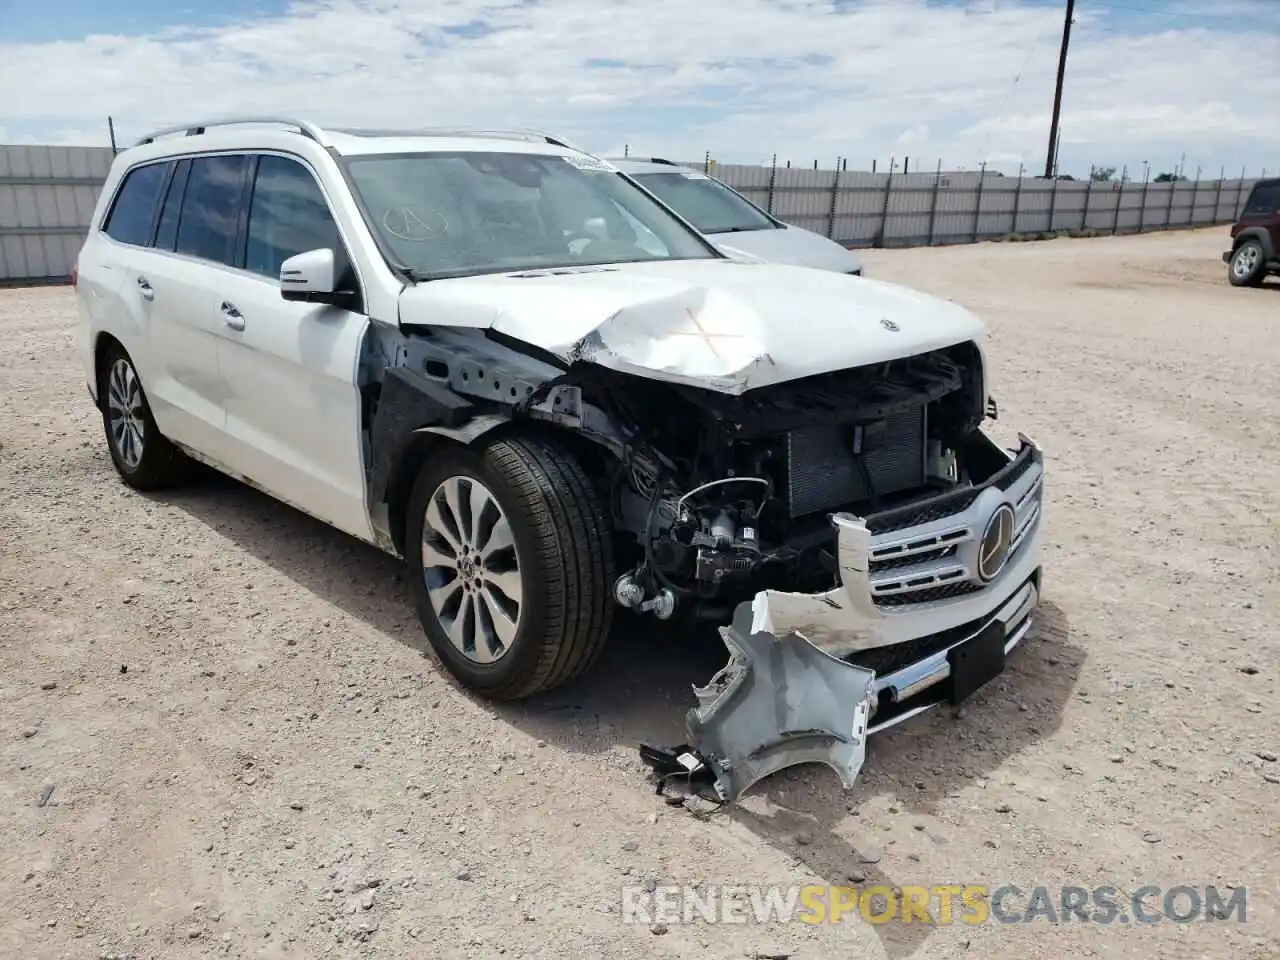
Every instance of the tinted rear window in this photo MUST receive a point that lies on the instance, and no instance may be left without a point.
(211, 208)
(1265, 198)
(135, 206)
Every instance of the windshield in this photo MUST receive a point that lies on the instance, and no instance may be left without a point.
(455, 214)
(706, 203)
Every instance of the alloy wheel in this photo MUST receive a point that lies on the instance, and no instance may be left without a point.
(124, 413)
(1246, 261)
(472, 569)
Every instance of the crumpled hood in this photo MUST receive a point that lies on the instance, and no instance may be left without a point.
(717, 324)
(793, 245)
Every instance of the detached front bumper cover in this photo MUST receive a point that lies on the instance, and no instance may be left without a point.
(779, 702)
(786, 697)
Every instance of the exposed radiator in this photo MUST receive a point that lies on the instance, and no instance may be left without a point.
(822, 473)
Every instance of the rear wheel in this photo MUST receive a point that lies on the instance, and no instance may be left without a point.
(1248, 265)
(143, 457)
(510, 562)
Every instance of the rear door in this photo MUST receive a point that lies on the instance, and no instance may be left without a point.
(160, 321)
(293, 405)
(114, 254)
(194, 239)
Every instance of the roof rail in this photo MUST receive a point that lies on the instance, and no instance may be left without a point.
(636, 159)
(313, 132)
(309, 130)
(513, 133)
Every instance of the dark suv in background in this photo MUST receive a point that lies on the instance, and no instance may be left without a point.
(1255, 237)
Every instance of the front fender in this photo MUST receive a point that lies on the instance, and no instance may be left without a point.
(409, 405)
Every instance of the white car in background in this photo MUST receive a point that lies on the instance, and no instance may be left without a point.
(732, 222)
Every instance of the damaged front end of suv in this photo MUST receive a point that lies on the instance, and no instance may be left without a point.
(866, 548)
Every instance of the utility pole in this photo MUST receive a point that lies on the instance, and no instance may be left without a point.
(1051, 157)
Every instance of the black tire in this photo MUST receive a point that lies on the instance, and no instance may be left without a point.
(563, 547)
(1248, 265)
(161, 465)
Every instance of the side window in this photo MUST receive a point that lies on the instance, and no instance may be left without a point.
(1265, 199)
(130, 218)
(211, 207)
(287, 216)
(167, 231)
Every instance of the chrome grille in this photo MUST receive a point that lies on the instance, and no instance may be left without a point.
(935, 559)
(944, 592)
(909, 560)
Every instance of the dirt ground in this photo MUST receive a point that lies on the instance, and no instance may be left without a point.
(250, 754)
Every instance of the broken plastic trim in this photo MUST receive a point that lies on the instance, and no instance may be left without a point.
(786, 698)
(779, 702)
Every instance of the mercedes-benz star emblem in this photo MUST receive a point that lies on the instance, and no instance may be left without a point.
(889, 325)
(993, 550)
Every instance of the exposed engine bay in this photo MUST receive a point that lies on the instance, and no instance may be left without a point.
(795, 516)
(716, 496)
(728, 495)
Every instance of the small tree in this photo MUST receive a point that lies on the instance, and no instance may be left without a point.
(1102, 174)
(1168, 178)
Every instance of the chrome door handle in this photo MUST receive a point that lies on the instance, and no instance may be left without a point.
(145, 290)
(232, 316)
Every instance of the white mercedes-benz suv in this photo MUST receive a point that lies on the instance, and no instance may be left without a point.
(496, 357)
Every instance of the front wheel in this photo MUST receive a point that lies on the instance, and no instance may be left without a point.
(510, 561)
(1248, 265)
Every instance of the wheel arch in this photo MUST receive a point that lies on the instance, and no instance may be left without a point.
(1261, 234)
(102, 344)
(418, 414)
(423, 441)
(418, 446)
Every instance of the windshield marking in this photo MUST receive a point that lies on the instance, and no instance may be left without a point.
(414, 227)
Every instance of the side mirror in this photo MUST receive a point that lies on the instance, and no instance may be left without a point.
(310, 277)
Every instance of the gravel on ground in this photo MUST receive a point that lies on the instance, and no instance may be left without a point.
(220, 734)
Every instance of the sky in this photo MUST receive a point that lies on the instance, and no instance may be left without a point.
(1149, 83)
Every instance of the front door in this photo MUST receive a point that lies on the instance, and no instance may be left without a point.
(293, 409)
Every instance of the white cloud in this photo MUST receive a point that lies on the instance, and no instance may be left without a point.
(742, 78)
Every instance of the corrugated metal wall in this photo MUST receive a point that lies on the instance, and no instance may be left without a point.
(919, 209)
(46, 200)
(47, 196)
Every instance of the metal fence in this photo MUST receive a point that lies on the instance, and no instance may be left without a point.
(46, 200)
(47, 196)
(863, 209)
